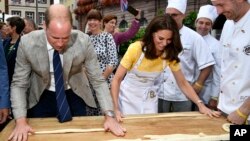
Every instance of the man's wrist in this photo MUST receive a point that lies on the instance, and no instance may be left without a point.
(200, 86)
(244, 110)
(240, 114)
(109, 113)
(22, 120)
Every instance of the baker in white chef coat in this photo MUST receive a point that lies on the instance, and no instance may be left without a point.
(195, 56)
(204, 22)
(234, 99)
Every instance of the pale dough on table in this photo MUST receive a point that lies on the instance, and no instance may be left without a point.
(187, 137)
(226, 127)
(126, 140)
(62, 131)
(180, 137)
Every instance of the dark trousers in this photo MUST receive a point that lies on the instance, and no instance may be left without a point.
(165, 106)
(47, 107)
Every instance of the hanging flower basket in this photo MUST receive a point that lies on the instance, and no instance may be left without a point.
(84, 6)
(89, 7)
(117, 1)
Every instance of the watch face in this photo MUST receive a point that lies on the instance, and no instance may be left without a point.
(110, 114)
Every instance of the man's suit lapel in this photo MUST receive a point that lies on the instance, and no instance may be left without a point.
(43, 57)
(67, 60)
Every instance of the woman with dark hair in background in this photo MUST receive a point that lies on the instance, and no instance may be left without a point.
(104, 45)
(14, 28)
(109, 25)
(3, 31)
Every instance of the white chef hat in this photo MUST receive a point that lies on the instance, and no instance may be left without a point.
(207, 11)
(180, 5)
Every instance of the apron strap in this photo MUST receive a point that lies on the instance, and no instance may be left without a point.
(164, 64)
(139, 60)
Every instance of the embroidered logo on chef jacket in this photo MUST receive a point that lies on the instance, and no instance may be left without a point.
(243, 98)
(247, 49)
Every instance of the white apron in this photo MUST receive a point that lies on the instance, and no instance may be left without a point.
(138, 91)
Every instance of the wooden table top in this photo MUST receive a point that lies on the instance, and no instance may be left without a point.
(137, 126)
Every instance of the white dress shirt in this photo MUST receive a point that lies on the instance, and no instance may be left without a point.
(52, 86)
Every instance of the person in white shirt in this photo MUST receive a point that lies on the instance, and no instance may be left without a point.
(234, 99)
(195, 56)
(204, 22)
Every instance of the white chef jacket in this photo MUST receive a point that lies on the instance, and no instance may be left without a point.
(235, 65)
(212, 84)
(195, 55)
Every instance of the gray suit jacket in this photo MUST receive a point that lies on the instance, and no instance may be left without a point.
(32, 74)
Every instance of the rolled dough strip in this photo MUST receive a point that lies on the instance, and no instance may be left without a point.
(62, 131)
(164, 115)
(125, 140)
(226, 127)
(188, 137)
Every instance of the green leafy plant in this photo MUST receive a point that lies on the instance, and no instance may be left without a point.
(160, 12)
(189, 20)
(124, 46)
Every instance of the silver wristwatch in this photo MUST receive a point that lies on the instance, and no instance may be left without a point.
(109, 113)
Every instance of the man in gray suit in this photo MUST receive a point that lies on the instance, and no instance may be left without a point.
(33, 84)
